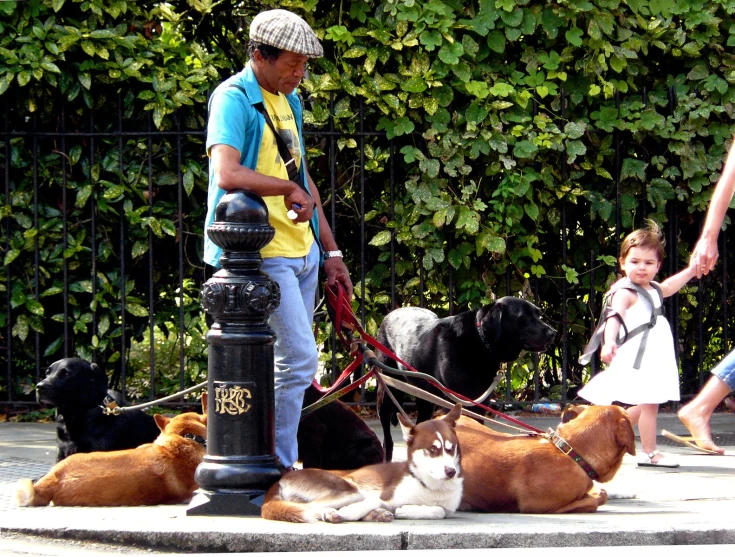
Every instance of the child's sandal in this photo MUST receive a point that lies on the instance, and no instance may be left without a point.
(664, 462)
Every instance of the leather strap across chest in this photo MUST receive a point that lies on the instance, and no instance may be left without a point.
(561, 444)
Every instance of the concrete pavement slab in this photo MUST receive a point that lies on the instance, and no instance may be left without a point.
(688, 505)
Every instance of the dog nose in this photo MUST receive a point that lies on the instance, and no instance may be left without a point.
(450, 472)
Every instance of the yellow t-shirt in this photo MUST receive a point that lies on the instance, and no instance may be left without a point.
(291, 239)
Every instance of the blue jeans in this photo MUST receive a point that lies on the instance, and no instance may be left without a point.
(296, 355)
(725, 370)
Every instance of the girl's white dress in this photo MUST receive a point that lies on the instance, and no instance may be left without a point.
(656, 381)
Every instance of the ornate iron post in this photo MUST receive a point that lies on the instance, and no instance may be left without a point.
(240, 463)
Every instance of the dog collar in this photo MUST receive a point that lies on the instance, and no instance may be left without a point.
(561, 444)
(478, 326)
(198, 438)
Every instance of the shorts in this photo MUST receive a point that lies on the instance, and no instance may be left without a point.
(725, 370)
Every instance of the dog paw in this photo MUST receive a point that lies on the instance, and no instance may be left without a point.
(24, 492)
(378, 515)
(332, 516)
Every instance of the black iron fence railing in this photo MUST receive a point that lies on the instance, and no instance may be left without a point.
(101, 239)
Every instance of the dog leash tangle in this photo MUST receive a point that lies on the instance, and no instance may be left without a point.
(344, 319)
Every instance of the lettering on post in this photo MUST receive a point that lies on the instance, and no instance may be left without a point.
(232, 399)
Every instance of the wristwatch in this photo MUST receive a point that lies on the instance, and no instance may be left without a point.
(330, 254)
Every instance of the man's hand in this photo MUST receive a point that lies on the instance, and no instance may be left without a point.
(336, 271)
(300, 203)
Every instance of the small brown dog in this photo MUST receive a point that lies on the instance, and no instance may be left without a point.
(156, 473)
(529, 474)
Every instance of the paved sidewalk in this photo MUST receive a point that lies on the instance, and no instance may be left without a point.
(689, 505)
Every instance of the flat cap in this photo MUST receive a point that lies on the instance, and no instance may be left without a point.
(287, 31)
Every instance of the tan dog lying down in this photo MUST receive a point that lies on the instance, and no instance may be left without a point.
(156, 473)
(529, 474)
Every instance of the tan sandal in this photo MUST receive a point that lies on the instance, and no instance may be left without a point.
(691, 442)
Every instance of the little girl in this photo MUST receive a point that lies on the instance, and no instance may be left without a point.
(647, 377)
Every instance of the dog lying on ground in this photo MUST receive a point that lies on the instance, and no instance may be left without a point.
(333, 437)
(157, 473)
(529, 474)
(78, 389)
(463, 352)
(427, 486)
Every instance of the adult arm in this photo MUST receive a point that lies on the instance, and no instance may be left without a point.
(231, 175)
(705, 253)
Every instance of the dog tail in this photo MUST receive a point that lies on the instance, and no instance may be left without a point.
(25, 493)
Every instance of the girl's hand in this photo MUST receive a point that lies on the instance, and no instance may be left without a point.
(609, 349)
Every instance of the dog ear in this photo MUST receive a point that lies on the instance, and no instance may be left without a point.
(572, 412)
(161, 421)
(625, 435)
(406, 427)
(100, 373)
(453, 415)
(490, 322)
(204, 403)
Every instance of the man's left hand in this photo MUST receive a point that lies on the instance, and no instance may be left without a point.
(336, 271)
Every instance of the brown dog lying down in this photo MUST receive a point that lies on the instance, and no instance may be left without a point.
(156, 473)
(529, 474)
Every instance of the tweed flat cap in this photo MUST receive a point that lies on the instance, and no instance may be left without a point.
(287, 31)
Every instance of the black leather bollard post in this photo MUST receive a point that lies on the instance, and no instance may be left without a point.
(240, 464)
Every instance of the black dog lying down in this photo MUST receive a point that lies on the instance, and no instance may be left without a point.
(78, 389)
(335, 438)
(463, 352)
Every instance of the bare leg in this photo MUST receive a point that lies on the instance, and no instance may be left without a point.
(635, 414)
(696, 415)
(647, 429)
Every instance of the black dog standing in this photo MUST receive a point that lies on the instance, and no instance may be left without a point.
(463, 352)
(78, 389)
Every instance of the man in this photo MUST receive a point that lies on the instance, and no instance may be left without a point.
(697, 413)
(244, 154)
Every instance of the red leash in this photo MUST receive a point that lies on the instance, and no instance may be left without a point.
(344, 318)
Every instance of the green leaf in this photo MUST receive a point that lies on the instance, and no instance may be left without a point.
(574, 36)
(532, 210)
(430, 167)
(24, 77)
(54, 347)
(698, 72)
(575, 130)
(431, 39)
(414, 85)
(478, 88)
(496, 41)
(35, 307)
(403, 126)
(574, 149)
(381, 238)
(524, 149)
(489, 242)
(450, 53)
(11, 256)
(136, 309)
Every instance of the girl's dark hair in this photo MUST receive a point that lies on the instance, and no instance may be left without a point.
(270, 53)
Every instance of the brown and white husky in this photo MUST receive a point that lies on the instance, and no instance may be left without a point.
(427, 486)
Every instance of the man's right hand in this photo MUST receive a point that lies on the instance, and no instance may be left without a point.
(300, 203)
